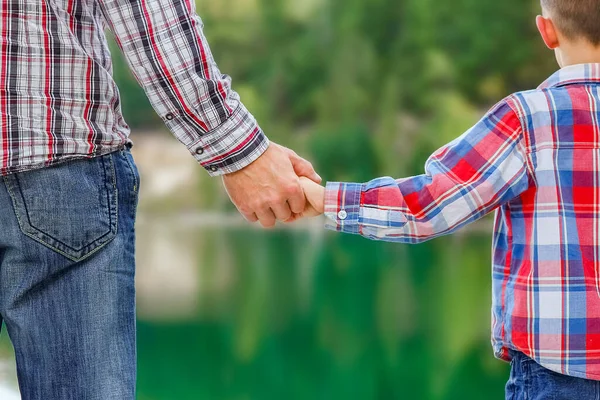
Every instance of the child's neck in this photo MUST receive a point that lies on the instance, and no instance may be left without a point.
(580, 52)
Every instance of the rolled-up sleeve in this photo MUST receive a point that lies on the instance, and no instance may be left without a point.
(165, 47)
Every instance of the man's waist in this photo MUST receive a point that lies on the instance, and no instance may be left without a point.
(25, 157)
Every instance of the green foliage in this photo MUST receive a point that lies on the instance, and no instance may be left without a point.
(347, 153)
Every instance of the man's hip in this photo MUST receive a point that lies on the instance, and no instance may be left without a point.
(67, 267)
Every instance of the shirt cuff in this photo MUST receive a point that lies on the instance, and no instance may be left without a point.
(233, 145)
(343, 206)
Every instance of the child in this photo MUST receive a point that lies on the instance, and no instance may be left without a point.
(535, 159)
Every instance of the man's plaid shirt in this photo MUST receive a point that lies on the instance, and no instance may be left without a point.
(535, 159)
(58, 99)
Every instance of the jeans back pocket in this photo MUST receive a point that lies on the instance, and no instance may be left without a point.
(70, 208)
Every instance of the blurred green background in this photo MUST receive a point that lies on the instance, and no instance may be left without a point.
(364, 88)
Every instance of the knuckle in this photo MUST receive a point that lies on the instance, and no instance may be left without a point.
(308, 166)
(245, 210)
(275, 200)
(293, 189)
(256, 204)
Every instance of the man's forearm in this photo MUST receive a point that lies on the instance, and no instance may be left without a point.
(168, 54)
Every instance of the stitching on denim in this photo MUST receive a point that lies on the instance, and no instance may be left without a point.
(18, 216)
(43, 238)
(135, 179)
(116, 194)
(135, 194)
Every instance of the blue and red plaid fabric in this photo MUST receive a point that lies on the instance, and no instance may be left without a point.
(58, 99)
(535, 159)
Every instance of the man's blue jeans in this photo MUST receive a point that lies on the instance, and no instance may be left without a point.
(67, 270)
(530, 381)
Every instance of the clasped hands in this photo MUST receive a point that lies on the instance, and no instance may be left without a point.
(278, 186)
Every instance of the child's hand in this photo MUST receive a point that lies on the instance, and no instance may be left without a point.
(315, 200)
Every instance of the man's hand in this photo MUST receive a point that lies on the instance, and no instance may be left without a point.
(269, 189)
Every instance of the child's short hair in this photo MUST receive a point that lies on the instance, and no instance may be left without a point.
(576, 18)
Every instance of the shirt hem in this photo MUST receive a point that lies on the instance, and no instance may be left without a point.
(59, 160)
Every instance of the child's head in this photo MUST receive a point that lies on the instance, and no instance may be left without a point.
(572, 29)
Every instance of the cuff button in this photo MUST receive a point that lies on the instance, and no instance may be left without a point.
(342, 215)
(169, 116)
(199, 151)
(213, 168)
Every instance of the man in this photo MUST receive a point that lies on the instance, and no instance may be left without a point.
(69, 186)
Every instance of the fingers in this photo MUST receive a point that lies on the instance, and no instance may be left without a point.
(266, 218)
(282, 211)
(294, 218)
(303, 167)
(291, 202)
(315, 196)
(250, 217)
(297, 201)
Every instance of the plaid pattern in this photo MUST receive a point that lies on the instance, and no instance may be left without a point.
(535, 159)
(58, 99)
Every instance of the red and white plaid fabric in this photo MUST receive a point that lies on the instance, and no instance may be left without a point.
(58, 99)
(535, 158)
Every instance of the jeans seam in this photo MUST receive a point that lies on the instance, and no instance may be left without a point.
(526, 379)
(133, 174)
(135, 194)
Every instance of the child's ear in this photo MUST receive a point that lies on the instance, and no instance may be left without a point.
(548, 31)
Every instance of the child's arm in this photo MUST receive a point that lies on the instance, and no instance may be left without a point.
(463, 181)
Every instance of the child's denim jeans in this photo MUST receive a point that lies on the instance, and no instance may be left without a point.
(67, 277)
(530, 381)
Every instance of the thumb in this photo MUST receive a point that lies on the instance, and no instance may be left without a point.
(304, 168)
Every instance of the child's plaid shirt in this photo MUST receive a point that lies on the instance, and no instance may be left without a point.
(535, 159)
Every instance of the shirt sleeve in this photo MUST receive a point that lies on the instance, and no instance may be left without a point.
(165, 47)
(463, 181)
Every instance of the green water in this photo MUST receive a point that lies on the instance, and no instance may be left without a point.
(242, 314)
